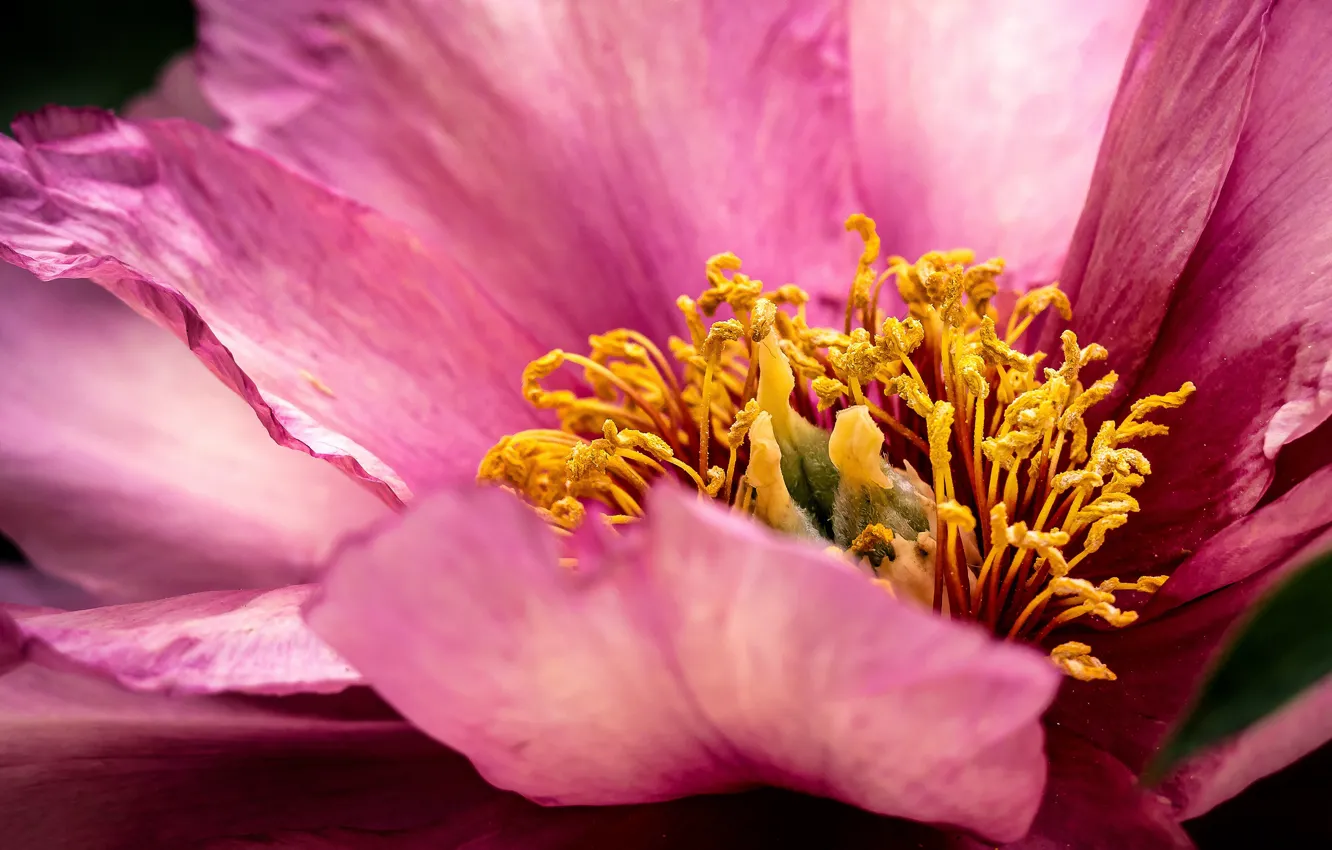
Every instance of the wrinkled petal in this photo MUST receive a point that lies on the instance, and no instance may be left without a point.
(310, 307)
(176, 94)
(130, 471)
(584, 159)
(1279, 740)
(977, 124)
(1160, 661)
(84, 763)
(1251, 319)
(1171, 139)
(244, 641)
(701, 654)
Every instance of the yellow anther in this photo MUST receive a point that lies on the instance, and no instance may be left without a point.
(808, 366)
(649, 444)
(1045, 543)
(1145, 584)
(873, 537)
(616, 344)
(1036, 301)
(1076, 358)
(537, 371)
(1076, 660)
(997, 351)
(568, 512)
(586, 461)
(765, 314)
(864, 279)
(900, 339)
(1092, 395)
(719, 263)
(1161, 402)
(693, 320)
(943, 286)
(744, 419)
(1008, 449)
(998, 524)
(1084, 590)
(716, 478)
(971, 367)
(979, 282)
(914, 394)
(723, 332)
(790, 294)
(829, 390)
(1075, 478)
(1096, 534)
(856, 448)
(952, 513)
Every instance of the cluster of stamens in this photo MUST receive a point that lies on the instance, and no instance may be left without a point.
(788, 423)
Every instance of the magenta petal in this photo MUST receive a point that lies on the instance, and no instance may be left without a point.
(1253, 544)
(584, 159)
(128, 469)
(1160, 661)
(1171, 139)
(1094, 802)
(699, 654)
(977, 125)
(85, 764)
(176, 94)
(309, 306)
(1251, 319)
(242, 640)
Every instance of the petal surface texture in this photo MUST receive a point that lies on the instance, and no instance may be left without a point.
(347, 337)
(242, 641)
(583, 159)
(128, 469)
(977, 124)
(702, 654)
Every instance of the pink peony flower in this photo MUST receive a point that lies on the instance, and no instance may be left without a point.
(416, 200)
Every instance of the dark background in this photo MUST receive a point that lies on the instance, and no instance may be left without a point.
(102, 52)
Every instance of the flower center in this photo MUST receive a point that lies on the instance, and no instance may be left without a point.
(789, 423)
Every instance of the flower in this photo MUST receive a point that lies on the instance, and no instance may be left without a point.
(702, 652)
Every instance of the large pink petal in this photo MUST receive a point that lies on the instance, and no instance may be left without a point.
(1168, 148)
(243, 641)
(1251, 318)
(127, 468)
(977, 124)
(304, 303)
(700, 654)
(584, 159)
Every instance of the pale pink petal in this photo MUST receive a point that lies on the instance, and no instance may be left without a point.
(699, 654)
(244, 641)
(1250, 320)
(1281, 739)
(977, 123)
(1168, 148)
(23, 585)
(583, 159)
(176, 94)
(312, 308)
(128, 469)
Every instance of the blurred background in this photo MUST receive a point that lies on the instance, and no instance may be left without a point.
(86, 52)
(103, 52)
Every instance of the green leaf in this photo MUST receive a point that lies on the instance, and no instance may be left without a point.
(1284, 647)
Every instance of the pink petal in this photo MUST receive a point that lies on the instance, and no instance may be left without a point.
(701, 654)
(977, 124)
(30, 588)
(128, 469)
(241, 640)
(584, 159)
(310, 307)
(1251, 319)
(176, 95)
(1282, 739)
(1168, 148)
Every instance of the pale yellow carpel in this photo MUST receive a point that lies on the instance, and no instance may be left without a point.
(856, 448)
(775, 383)
(772, 501)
